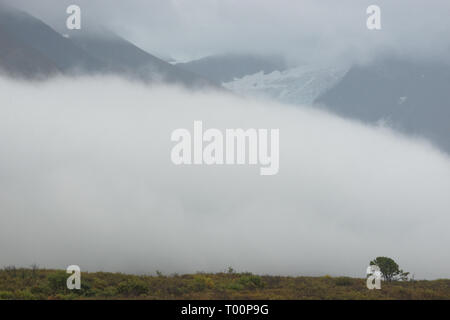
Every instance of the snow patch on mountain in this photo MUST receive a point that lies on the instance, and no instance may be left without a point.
(299, 85)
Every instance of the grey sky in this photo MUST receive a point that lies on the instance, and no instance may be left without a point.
(302, 30)
(88, 179)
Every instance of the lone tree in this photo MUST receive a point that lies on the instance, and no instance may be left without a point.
(389, 269)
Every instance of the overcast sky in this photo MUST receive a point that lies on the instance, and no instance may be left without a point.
(88, 179)
(302, 29)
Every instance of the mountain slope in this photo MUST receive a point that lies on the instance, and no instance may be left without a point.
(30, 48)
(35, 34)
(19, 60)
(412, 96)
(224, 68)
(122, 57)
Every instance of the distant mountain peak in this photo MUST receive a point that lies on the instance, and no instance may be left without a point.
(30, 48)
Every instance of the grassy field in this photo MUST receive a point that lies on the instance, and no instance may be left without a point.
(51, 284)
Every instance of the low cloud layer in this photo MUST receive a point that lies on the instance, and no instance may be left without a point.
(301, 30)
(86, 179)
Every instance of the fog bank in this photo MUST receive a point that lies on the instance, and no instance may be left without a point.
(86, 179)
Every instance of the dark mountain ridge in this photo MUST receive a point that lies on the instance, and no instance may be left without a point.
(412, 96)
(226, 67)
(29, 48)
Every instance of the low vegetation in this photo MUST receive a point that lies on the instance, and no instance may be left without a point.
(34, 283)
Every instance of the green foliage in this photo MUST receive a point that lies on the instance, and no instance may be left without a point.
(251, 282)
(6, 295)
(19, 283)
(57, 281)
(389, 269)
(201, 283)
(132, 287)
(11, 270)
(24, 295)
(343, 281)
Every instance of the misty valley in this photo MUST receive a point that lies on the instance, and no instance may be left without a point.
(221, 150)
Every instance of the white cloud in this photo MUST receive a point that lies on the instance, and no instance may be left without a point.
(302, 30)
(86, 178)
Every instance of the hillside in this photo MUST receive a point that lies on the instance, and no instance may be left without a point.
(412, 96)
(124, 58)
(19, 60)
(30, 32)
(51, 284)
(227, 67)
(29, 48)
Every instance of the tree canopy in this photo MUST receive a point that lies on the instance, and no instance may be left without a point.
(389, 269)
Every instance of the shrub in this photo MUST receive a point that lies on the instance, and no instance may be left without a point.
(132, 287)
(11, 270)
(6, 295)
(24, 295)
(343, 281)
(235, 286)
(251, 281)
(109, 292)
(201, 283)
(57, 282)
